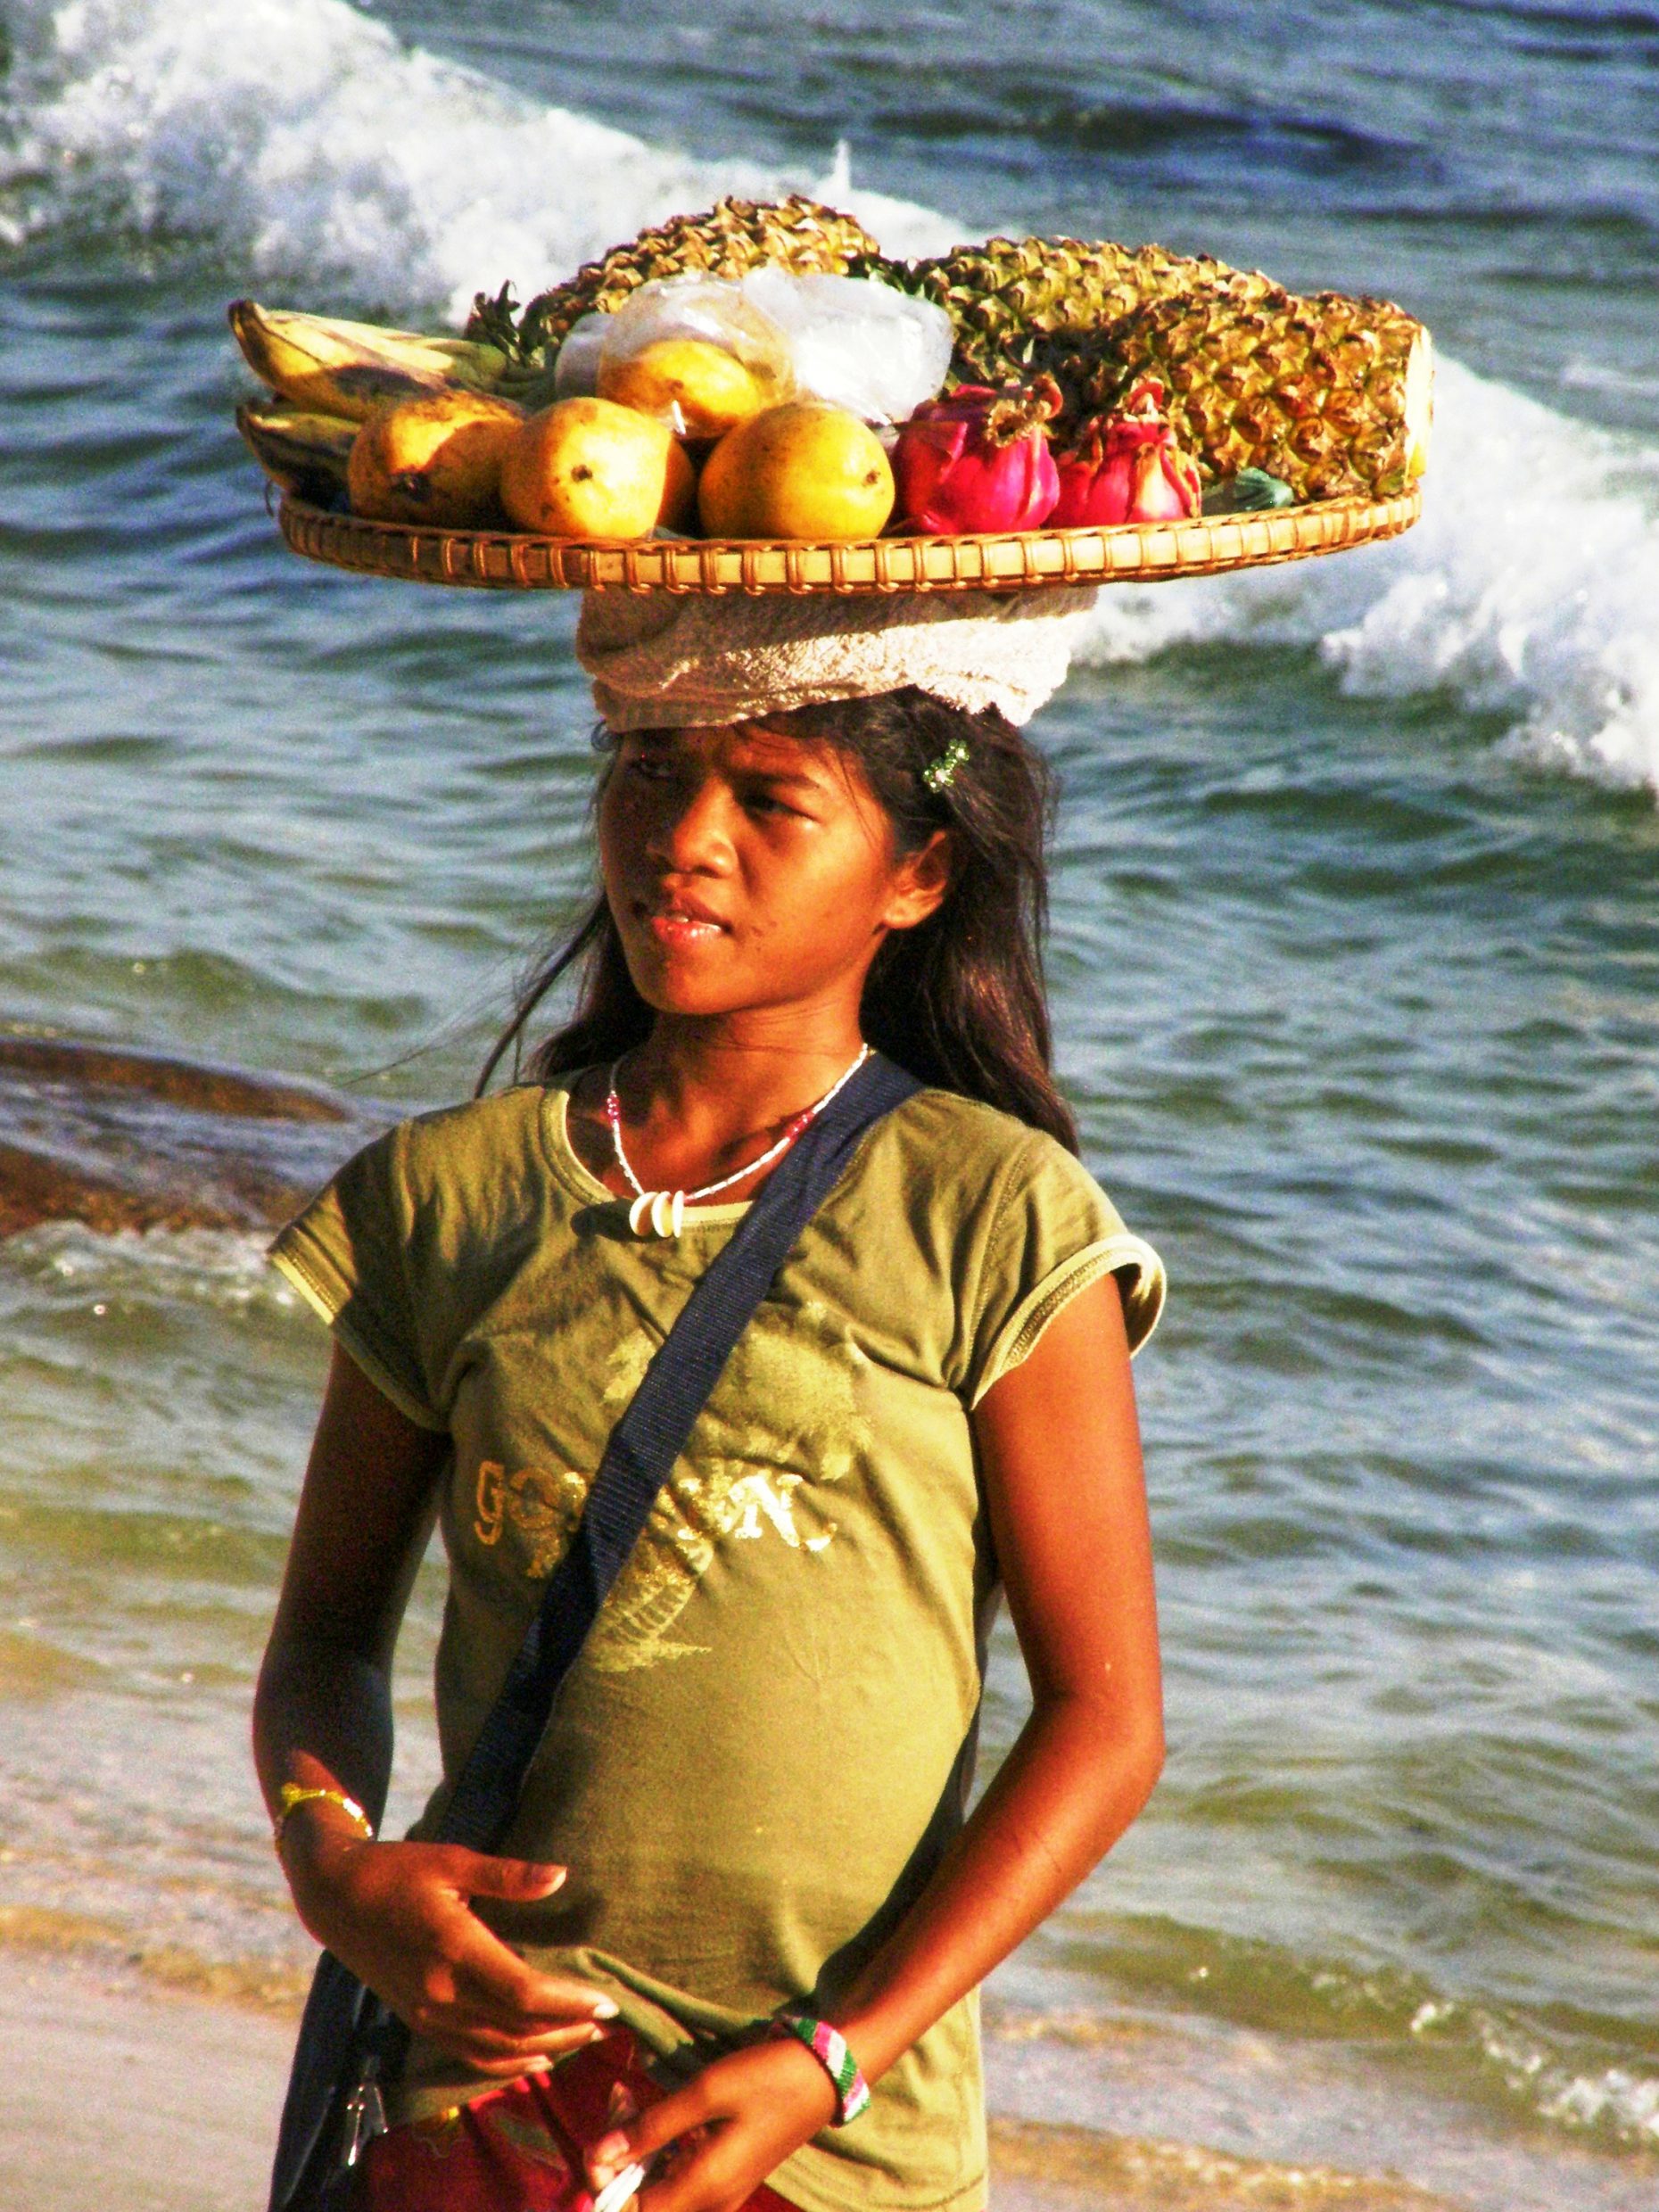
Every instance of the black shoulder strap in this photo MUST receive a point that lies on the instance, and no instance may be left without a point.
(348, 2043)
(645, 1444)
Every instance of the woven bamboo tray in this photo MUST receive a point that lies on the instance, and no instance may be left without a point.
(1127, 553)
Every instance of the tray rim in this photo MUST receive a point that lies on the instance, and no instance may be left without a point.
(1016, 560)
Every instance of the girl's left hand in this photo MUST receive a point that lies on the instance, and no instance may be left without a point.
(735, 2123)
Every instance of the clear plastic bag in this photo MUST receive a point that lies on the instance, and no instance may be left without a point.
(695, 352)
(844, 340)
(576, 372)
(855, 343)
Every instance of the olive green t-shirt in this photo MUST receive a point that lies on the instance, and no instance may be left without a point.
(767, 1739)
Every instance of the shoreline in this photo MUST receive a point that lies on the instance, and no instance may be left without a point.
(167, 2102)
(165, 2099)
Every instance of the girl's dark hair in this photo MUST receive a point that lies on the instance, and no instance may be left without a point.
(959, 999)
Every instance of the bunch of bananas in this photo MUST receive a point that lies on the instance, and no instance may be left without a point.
(330, 377)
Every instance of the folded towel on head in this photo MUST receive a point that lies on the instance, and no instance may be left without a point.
(667, 662)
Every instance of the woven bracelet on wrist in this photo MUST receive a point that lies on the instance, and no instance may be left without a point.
(828, 2045)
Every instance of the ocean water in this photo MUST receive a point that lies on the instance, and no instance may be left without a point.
(1355, 958)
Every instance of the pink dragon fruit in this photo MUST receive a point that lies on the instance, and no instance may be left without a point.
(1127, 468)
(978, 460)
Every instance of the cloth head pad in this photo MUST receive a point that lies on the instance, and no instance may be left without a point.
(661, 661)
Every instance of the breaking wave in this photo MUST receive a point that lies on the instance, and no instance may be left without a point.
(310, 142)
(316, 149)
(1526, 591)
(1592, 2076)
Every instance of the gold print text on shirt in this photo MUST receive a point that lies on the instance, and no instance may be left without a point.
(785, 1419)
(541, 1509)
(487, 1527)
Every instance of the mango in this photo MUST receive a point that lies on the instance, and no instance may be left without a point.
(698, 389)
(588, 469)
(802, 470)
(435, 459)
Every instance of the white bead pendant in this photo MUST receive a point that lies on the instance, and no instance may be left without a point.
(663, 1211)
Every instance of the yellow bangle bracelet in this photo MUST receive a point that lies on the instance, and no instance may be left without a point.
(293, 1795)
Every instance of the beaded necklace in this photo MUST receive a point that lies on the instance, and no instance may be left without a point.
(664, 1210)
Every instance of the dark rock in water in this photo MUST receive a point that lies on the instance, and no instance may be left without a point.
(125, 1140)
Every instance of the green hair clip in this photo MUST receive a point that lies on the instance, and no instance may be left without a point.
(938, 775)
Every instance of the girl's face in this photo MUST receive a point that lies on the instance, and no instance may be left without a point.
(746, 869)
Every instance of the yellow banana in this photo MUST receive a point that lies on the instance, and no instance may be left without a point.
(348, 369)
(304, 453)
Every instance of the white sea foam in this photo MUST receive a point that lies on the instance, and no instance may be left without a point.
(1609, 2101)
(76, 1266)
(311, 141)
(1626, 2103)
(1527, 590)
(318, 151)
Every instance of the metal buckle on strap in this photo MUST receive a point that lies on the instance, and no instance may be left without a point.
(365, 2116)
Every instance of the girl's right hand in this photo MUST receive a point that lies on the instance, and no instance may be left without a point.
(400, 1916)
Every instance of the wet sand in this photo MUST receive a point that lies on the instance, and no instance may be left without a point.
(121, 2095)
(161, 2101)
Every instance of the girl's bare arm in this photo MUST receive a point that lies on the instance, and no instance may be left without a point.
(1060, 1452)
(398, 1914)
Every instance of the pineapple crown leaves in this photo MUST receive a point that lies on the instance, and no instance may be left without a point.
(727, 239)
(492, 323)
(525, 338)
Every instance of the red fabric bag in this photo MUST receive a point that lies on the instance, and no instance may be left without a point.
(520, 2147)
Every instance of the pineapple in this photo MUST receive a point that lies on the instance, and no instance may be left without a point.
(731, 238)
(1329, 393)
(1005, 295)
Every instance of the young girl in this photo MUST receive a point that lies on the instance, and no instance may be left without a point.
(751, 1797)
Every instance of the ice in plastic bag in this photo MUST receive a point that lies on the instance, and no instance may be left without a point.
(694, 352)
(855, 343)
